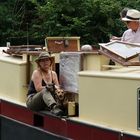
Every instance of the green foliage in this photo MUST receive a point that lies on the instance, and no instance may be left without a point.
(88, 19)
(93, 20)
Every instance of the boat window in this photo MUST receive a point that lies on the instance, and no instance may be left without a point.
(138, 108)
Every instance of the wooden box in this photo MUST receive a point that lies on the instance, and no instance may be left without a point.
(121, 52)
(62, 44)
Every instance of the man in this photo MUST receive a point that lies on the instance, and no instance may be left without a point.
(122, 15)
(132, 20)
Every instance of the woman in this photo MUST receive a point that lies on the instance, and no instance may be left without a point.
(43, 81)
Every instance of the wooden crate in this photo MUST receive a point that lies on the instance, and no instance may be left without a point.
(59, 44)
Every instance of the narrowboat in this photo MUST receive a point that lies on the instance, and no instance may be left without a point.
(103, 87)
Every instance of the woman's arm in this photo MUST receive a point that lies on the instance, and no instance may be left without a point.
(37, 79)
(55, 80)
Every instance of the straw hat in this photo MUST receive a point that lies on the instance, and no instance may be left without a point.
(44, 55)
(132, 15)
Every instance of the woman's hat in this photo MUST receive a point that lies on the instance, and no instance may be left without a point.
(132, 15)
(44, 55)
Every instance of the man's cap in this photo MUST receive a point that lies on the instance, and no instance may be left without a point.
(132, 15)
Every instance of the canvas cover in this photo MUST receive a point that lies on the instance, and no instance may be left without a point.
(70, 64)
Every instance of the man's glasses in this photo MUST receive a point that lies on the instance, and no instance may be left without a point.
(127, 22)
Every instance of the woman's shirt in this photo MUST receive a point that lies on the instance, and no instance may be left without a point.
(32, 90)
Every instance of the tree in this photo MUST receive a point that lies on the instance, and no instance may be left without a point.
(89, 19)
(93, 20)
